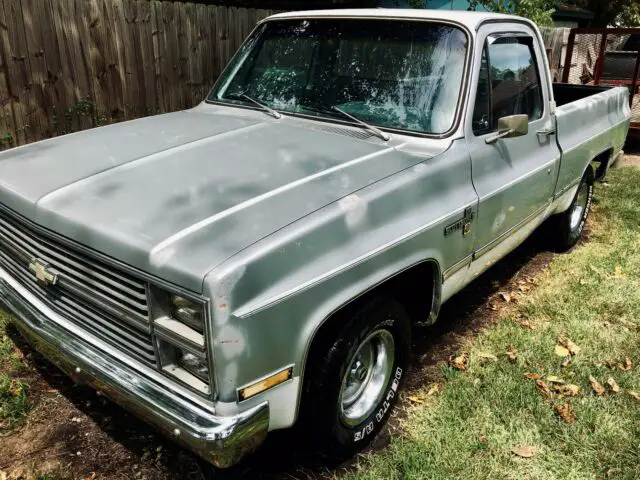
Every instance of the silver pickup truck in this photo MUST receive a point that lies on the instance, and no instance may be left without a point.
(260, 259)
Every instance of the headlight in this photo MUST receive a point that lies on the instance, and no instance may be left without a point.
(187, 312)
(179, 330)
(195, 365)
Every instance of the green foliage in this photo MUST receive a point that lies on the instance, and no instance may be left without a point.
(539, 11)
(416, 3)
(629, 16)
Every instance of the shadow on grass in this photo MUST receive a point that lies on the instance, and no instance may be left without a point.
(281, 456)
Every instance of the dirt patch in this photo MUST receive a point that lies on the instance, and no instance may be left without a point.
(78, 434)
(633, 160)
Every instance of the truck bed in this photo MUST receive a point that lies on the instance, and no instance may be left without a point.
(591, 121)
(566, 93)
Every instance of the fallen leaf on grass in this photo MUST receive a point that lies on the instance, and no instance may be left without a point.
(460, 362)
(506, 296)
(512, 353)
(415, 399)
(597, 387)
(525, 451)
(628, 324)
(533, 376)
(435, 388)
(569, 390)
(566, 413)
(543, 389)
(613, 471)
(569, 345)
(487, 357)
(615, 388)
(626, 366)
(554, 379)
(524, 288)
(634, 395)
(562, 351)
(524, 324)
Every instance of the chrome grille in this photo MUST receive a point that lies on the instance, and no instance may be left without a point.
(109, 303)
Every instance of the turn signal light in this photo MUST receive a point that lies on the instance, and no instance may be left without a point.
(265, 384)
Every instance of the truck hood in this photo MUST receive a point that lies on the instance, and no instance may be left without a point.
(175, 195)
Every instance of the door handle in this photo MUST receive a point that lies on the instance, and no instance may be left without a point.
(546, 132)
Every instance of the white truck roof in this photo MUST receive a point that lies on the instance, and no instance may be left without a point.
(469, 19)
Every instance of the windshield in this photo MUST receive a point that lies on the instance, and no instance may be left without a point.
(395, 74)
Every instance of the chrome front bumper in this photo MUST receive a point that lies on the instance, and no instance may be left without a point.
(223, 441)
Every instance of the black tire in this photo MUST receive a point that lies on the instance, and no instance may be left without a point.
(323, 415)
(568, 225)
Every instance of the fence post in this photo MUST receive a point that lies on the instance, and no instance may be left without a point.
(567, 59)
(601, 53)
(635, 79)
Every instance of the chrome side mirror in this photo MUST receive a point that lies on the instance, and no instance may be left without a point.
(509, 127)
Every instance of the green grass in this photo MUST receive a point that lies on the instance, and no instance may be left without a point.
(14, 400)
(468, 431)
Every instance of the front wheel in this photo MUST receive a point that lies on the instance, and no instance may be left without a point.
(352, 385)
(570, 224)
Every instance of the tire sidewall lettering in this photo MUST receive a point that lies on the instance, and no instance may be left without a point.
(381, 413)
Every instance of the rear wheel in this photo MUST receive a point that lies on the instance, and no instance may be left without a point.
(570, 224)
(352, 385)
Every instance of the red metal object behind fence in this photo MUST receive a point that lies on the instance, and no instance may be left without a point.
(605, 56)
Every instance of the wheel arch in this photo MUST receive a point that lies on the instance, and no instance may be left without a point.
(401, 286)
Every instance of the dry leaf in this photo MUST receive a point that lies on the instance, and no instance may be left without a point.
(569, 345)
(435, 388)
(569, 390)
(634, 395)
(613, 385)
(506, 296)
(524, 288)
(525, 324)
(512, 353)
(562, 351)
(416, 399)
(566, 362)
(543, 389)
(628, 324)
(599, 389)
(566, 413)
(460, 362)
(526, 451)
(554, 379)
(488, 357)
(533, 376)
(626, 366)
(493, 306)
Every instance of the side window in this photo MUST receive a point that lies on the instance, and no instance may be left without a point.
(481, 122)
(513, 85)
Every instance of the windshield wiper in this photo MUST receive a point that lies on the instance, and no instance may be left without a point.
(264, 107)
(335, 112)
(376, 131)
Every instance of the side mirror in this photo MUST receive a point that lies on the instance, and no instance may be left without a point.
(511, 126)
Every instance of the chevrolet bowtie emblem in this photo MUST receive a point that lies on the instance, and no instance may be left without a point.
(43, 274)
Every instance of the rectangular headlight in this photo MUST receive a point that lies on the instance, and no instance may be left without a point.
(193, 364)
(187, 312)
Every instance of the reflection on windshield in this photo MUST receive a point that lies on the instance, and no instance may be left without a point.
(396, 74)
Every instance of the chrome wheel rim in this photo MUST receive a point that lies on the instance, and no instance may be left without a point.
(579, 206)
(366, 377)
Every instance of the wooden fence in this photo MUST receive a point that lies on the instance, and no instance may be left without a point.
(66, 65)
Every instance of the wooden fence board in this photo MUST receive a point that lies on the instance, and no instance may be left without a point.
(66, 65)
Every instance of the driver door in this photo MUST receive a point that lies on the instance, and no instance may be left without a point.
(513, 177)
